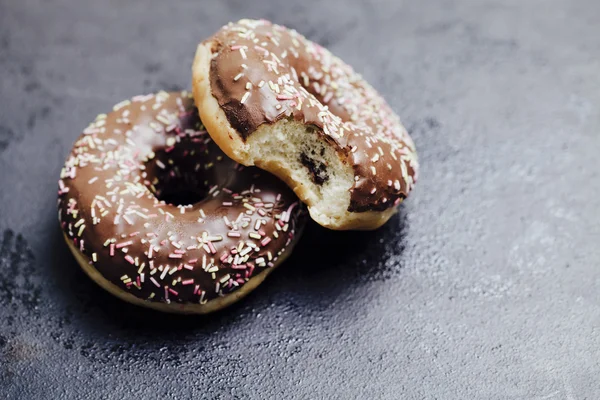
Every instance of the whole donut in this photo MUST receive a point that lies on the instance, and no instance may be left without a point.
(271, 98)
(187, 258)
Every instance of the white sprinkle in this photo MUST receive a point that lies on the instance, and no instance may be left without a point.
(245, 97)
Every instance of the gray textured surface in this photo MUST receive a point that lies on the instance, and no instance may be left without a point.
(486, 286)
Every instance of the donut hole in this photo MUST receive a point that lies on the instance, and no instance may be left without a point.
(180, 196)
(175, 181)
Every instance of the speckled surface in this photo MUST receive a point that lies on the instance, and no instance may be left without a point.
(485, 286)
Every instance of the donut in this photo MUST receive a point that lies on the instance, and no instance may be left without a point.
(271, 98)
(156, 214)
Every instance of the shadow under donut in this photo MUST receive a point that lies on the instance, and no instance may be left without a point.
(326, 266)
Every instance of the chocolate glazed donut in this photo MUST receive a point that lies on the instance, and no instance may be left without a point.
(271, 98)
(157, 215)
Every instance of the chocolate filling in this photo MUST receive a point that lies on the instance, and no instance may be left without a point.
(317, 169)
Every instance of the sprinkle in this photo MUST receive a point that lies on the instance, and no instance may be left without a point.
(154, 281)
(245, 97)
(164, 272)
(212, 248)
(129, 259)
(124, 244)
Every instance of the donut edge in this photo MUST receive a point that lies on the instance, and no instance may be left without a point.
(175, 308)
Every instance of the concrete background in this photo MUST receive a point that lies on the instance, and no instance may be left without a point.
(485, 286)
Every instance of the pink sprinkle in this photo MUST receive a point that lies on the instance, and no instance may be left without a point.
(196, 289)
(193, 261)
(224, 257)
(127, 243)
(134, 234)
(187, 282)
(175, 256)
(187, 266)
(236, 47)
(284, 97)
(289, 211)
(81, 245)
(163, 242)
(179, 251)
(212, 248)
(154, 281)
(241, 266)
(129, 259)
(169, 149)
(173, 292)
(261, 232)
(138, 281)
(265, 241)
(112, 249)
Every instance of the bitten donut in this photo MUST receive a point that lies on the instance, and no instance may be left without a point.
(157, 215)
(271, 98)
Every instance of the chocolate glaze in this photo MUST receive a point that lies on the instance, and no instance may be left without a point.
(147, 149)
(261, 73)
